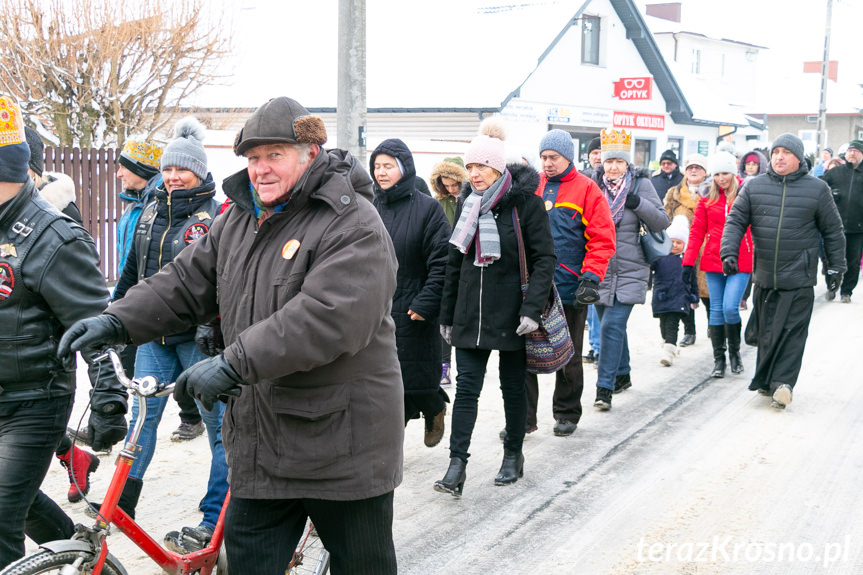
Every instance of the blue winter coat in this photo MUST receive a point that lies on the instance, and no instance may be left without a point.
(670, 294)
(134, 203)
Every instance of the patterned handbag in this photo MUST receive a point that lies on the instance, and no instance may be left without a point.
(549, 348)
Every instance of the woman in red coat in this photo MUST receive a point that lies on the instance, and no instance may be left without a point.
(725, 290)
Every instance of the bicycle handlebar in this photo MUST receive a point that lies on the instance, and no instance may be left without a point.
(147, 386)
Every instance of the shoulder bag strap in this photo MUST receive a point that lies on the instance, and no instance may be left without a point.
(522, 259)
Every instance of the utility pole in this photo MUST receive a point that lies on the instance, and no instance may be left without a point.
(351, 123)
(820, 135)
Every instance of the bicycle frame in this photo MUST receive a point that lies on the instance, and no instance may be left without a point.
(173, 563)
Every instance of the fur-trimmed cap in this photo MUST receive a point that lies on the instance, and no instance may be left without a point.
(281, 120)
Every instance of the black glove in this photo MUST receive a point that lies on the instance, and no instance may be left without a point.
(587, 292)
(688, 274)
(90, 335)
(729, 265)
(208, 338)
(834, 279)
(632, 201)
(106, 429)
(207, 380)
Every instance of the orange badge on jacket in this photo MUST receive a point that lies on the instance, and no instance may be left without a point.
(290, 249)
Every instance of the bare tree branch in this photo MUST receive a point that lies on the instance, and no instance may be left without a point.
(95, 71)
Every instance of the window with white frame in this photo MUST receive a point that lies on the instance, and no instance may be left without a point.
(695, 61)
(590, 40)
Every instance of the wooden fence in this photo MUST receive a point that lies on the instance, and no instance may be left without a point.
(94, 172)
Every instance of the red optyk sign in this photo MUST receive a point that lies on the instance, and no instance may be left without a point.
(633, 88)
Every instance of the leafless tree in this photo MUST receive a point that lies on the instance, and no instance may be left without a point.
(95, 71)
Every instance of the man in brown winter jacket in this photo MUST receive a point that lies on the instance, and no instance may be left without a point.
(302, 272)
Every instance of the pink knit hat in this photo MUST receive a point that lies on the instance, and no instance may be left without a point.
(488, 148)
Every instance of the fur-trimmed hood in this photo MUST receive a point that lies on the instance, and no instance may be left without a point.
(58, 189)
(446, 170)
(525, 181)
(762, 164)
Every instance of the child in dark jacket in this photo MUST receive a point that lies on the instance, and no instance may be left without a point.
(672, 298)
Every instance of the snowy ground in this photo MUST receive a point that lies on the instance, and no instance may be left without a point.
(685, 475)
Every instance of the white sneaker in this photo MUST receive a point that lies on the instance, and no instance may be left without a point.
(669, 350)
(781, 397)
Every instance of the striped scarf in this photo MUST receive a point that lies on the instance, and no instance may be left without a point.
(615, 191)
(476, 222)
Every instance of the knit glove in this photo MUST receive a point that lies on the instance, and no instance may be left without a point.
(834, 279)
(208, 380)
(729, 265)
(587, 292)
(632, 201)
(527, 325)
(446, 333)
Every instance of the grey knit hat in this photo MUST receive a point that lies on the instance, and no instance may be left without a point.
(186, 150)
(791, 143)
(558, 141)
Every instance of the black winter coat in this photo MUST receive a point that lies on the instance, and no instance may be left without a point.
(662, 182)
(846, 183)
(789, 215)
(420, 233)
(484, 304)
(670, 294)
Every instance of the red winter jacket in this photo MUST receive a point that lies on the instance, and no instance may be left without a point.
(582, 228)
(709, 221)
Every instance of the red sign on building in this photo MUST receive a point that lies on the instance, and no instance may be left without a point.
(640, 121)
(633, 88)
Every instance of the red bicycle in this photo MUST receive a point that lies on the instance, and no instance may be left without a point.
(86, 553)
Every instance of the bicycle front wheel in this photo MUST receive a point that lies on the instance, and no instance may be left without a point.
(310, 558)
(50, 562)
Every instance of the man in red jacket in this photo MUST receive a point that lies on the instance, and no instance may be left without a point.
(583, 243)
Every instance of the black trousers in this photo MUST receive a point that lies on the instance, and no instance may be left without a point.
(569, 381)
(29, 434)
(261, 534)
(780, 321)
(669, 325)
(471, 374)
(689, 322)
(853, 253)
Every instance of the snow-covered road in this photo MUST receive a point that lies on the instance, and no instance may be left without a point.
(685, 475)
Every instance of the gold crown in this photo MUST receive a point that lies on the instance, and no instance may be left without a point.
(147, 152)
(11, 123)
(614, 140)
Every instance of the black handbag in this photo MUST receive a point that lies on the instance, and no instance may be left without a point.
(655, 245)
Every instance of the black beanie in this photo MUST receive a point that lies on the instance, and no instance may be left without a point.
(595, 144)
(37, 150)
(668, 155)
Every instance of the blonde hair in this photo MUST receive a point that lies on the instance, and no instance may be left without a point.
(730, 194)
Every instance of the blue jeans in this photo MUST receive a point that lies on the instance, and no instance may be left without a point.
(166, 362)
(725, 295)
(614, 359)
(593, 336)
(29, 434)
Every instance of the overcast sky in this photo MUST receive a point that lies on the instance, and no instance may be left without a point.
(474, 52)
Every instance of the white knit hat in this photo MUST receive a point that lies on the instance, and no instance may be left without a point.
(723, 163)
(679, 228)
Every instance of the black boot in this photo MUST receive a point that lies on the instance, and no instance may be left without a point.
(128, 498)
(511, 468)
(732, 330)
(453, 481)
(717, 338)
